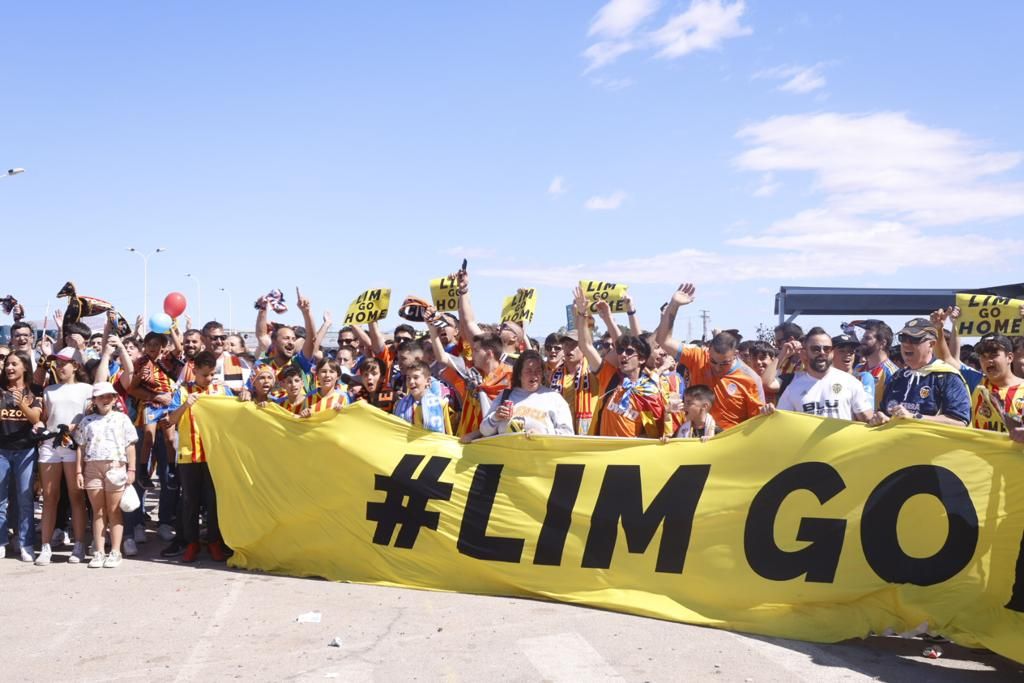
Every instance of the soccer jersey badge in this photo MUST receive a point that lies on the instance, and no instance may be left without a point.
(925, 392)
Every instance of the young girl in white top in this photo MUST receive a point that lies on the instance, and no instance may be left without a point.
(106, 464)
(64, 403)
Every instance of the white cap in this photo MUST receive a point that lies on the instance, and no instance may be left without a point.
(103, 389)
(69, 353)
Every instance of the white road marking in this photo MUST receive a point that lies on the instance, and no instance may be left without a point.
(197, 656)
(567, 657)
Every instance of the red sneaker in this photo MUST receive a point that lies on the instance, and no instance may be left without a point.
(216, 550)
(191, 553)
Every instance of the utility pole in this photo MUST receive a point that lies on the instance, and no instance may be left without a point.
(705, 318)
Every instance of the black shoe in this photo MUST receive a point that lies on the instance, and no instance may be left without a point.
(174, 549)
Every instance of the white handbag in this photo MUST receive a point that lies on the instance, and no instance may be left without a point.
(130, 499)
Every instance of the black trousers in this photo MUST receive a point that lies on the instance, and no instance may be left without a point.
(196, 486)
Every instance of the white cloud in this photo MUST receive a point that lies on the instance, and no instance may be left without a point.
(604, 53)
(469, 252)
(605, 203)
(557, 186)
(703, 26)
(796, 79)
(884, 164)
(768, 187)
(619, 18)
(894, 195)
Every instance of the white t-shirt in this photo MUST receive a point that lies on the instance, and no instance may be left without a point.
(838, 394)
(64, 405)
(106, 437)
(543, 411)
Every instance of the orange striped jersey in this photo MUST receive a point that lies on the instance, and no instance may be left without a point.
(336, 398)
(984, 416)
(155, 375)
(190, 442)
(492, 385)
(581, 391)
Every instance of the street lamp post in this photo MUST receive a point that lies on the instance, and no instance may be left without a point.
(199, 297)
(231, 310)
(145, 282)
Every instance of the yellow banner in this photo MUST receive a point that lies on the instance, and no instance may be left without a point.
(612, 292)
(445, 293)
(520, 306)
(368, 307)
(982, 314)
(789, 525)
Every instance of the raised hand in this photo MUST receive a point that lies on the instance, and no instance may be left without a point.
(685, 294)
(602, 308)
(579, 301)
(301, 301)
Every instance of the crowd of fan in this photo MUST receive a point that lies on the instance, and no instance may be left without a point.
(85, 420)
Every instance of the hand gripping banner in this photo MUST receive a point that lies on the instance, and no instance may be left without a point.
(790, 525)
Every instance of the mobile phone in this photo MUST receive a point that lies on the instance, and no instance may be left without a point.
(464, 264)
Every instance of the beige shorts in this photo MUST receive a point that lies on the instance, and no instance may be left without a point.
(95, 475)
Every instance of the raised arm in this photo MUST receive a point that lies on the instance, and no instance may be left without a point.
(309, 343)
(605, 312)
(440, 355)
(364, 339)
(586, 340)
(467, 318)
(376, 338)
(683, 296)
(262, 335)
(321, 334)
(942, 350)
(634, 322)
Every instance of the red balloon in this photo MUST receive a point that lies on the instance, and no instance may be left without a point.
(174, 304)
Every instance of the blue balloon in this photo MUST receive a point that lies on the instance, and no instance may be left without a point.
(160, 322)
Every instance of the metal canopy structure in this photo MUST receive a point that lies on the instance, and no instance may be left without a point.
(874, 302)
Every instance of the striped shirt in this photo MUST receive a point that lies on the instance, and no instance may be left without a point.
(190, 443)
(882, 373)
(983, 416)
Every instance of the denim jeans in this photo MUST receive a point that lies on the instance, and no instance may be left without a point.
(165, 472)
(16, 467)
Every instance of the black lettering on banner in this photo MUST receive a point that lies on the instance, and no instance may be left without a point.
(819, 560)
(621, 498)
(405, 503)
(473, 538)
(881, 511)
(565, 488)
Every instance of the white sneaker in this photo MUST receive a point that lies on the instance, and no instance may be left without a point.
(44, 555)
(27, 554)
(57, 538)
(97, 560)
(139, 534)
(113, 559)
(130, 549)
(166, 533)
(3, 551)
(78, 554)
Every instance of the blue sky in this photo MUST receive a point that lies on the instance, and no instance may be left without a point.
(338, 146)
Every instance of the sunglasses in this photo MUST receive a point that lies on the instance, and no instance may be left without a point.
(218, 337)
(819, 348)
(626, 352)
(553, 349)
(346, 342)
(907, 339)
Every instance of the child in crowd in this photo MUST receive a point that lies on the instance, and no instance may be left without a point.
(329, 394)
(263, 381)
(697, 402)
(193, 471)
(294, 382)
(424, 406)
(105, 466)
(152, 385)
